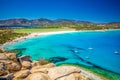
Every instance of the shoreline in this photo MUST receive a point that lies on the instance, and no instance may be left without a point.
(37, 34)
(33, 35)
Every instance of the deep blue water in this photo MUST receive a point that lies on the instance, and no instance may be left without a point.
(100, 49)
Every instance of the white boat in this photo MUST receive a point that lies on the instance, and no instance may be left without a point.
(76, 51)
(116, 52)
(87, 57)
(90, 48)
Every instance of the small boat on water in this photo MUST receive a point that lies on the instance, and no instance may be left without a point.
(116, 52)
(90, 48)
(87, 57)
(76, 51)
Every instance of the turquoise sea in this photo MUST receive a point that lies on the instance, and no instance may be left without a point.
(91, 48)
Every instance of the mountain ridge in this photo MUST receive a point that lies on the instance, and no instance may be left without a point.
(21, 22)
(36, 22)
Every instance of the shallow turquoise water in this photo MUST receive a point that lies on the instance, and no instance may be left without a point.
(97, 49)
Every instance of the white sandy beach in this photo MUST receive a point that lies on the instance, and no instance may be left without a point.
(32, 35)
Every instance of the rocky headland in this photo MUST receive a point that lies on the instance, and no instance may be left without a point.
(22, 68)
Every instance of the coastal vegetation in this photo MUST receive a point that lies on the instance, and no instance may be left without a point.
(42, 61)
(7, 35)
(83, 26)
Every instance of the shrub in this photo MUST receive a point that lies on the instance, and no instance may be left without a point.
(43, 61)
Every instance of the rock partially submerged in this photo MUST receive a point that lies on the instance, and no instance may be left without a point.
(22, 68)
(24, 58)
(57, 59)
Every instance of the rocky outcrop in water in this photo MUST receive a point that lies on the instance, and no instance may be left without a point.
(57, 59)
(22, 68)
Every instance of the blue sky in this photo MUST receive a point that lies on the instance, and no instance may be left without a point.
(99, 11)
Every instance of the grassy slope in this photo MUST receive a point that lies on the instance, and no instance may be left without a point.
(26, 30)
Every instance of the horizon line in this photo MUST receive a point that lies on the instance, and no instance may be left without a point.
(98, 22)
